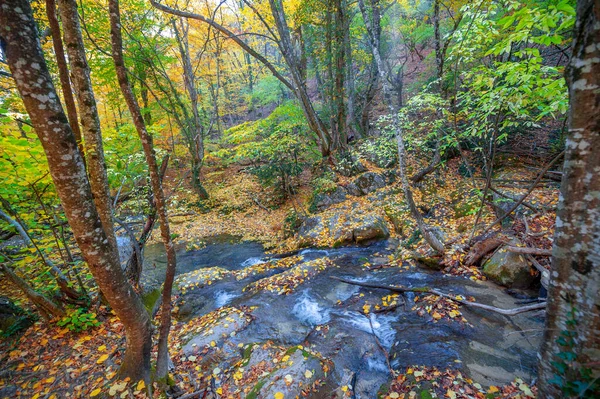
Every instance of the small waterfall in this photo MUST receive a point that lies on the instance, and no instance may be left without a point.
(309, 312)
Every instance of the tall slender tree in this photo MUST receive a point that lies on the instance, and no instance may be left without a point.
(570, 354)
(374, 33)
(20, 44)
(88, 110)
(156, 183)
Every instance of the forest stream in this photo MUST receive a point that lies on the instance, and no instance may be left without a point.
(329, 317)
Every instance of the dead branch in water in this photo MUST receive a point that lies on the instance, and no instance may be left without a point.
(433, 291)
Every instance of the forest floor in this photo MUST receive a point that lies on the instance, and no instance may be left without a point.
(51, 362)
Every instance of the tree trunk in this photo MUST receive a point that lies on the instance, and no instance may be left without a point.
(197, 144)
(285, 44)
(26, 61)
(571, 349)
(374, 37)
(63, 71)
(161, 206)
(90, 121)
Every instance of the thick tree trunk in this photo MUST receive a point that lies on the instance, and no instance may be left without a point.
(161, 206)
(28, 67)
(373, 32)
(63, 71)
(88, 111)
(571, 349)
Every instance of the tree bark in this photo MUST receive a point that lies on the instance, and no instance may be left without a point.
(573, 300)
(161, 206)
(197, 143)
(90, 121)
(28, 67)
(63, 71)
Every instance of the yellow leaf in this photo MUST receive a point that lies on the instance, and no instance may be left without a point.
(102, 359)
(308, 374)
(394, 395)
(95, 392)
(278, 395)
(220, 391)
(436, 315)
(140, 385)
(102, 348)
(451, 394)
(366, 308)
(213, 343)
(493, 389)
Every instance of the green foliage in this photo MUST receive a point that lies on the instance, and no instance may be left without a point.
(573, 378)
(507, 84)
(78, 320)
(267, 90)
(291, 223)
(277, 147)
(382, 149)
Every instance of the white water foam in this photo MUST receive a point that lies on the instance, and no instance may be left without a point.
(308, 310)
(382, 326)
(222, 298)
(252, 261)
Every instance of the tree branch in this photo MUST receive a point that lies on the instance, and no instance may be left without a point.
(427, 290)
(229, 34)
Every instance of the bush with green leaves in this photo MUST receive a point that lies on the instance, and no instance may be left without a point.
(276, 147)
(509, 84)
(78, 320)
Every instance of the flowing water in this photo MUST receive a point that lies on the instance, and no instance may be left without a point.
(490, 348)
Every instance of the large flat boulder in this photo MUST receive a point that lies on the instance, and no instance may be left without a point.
(366, 183)
(508, 269)
(341, 229)
(323, 201)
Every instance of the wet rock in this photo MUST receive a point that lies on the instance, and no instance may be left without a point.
(340, 229)
(366, 183)
(12, 317)
(308, 233)
(508, 269)
(296, 374)
(322, 201)
(370, 228)
(430, 260)
(9, 391)
(189, 305)
(213, 333)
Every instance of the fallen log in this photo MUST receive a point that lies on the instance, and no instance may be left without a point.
(481, 249)
(428, 290)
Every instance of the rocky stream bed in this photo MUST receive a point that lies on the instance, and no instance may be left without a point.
(261, 324)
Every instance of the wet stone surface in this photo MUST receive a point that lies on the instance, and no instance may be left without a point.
(338, 325)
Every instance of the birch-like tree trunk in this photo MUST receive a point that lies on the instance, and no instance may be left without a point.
(197, 141)
(571, 351)
(374, 37)
(63, 71)
(155, 180)
(22, 48)
(88, 111)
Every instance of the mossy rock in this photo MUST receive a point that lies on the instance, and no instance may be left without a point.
(508, 269)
